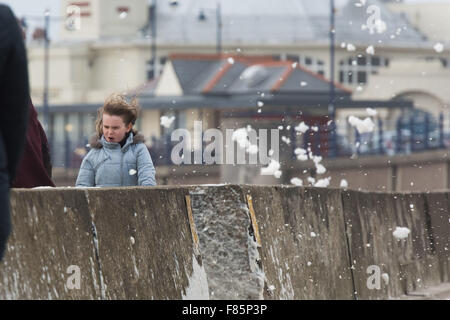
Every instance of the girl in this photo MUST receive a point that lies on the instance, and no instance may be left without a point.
(118, 156)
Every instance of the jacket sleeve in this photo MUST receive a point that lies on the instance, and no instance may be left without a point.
(86, 175)
(46, 157)
(145, 168)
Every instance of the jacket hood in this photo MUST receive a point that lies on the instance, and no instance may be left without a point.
(96, 143)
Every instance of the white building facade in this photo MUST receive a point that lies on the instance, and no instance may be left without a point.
(105, 46)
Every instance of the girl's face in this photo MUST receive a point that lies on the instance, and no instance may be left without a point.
(114, 129)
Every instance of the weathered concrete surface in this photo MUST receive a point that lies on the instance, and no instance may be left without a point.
(303, 245)
(438, 213)
(51, 231)
(408, 264)
(228, 250)
(223, 242)
(368, 221)
(375, 178)
(128, 243)
(418, 263)
(439, 292)
(145, 246)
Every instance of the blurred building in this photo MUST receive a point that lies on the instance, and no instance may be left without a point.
(107, 46)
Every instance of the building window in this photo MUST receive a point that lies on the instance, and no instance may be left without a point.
(356, 70)
(310, 63)
(293, 58)
(361, 60)
(155, 71)
(276, 57)
(150, 69)
(375, 61)
(362, 77)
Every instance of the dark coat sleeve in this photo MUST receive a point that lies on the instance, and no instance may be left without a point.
(14, 89)
(46, 157)
(34, 169)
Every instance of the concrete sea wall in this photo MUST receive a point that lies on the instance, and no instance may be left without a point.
(223, 242)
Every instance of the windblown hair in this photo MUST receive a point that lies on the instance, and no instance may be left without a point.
(117, 105)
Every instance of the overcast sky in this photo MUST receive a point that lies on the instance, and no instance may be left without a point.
(33, 8)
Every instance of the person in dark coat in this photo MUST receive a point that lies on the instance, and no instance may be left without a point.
(35, 168)
(14, 99)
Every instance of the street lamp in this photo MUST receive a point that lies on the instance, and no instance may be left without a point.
(331, 104)
(219, 28)
(202, 17)
(45, 102)
(153, 15)
(46, 67)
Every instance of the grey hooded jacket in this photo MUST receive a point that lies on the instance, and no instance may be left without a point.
(109, 165)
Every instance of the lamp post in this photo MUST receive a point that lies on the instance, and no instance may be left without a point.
(45, 98)
(46, 69)
(219, 27)
(202, 17)
(153, 33)
(331, 105)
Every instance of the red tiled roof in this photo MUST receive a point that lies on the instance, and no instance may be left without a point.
(249, 60)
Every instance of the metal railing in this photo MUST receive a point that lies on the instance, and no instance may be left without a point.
(402, 136)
